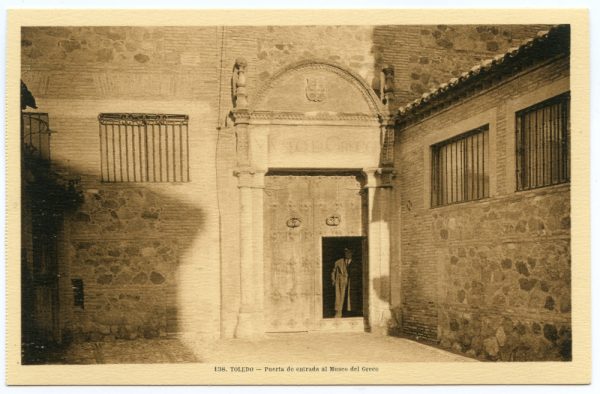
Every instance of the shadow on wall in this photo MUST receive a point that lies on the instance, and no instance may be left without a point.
(393, 323)
(122, 247)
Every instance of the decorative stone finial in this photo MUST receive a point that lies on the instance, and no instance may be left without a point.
(387, 88)
(239, 83)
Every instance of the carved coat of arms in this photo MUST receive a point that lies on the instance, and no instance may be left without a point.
(315, 89)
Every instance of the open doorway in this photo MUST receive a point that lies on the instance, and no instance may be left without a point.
(351, 301)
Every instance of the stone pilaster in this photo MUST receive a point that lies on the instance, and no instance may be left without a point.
(387, 141)
(258, 188)
(249, 323)
(245, 327)
(379, 193)
(242, 119)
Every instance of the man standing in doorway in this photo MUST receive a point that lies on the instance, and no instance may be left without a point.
(339, 279)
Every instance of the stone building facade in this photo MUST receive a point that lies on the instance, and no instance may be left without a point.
(284, 142)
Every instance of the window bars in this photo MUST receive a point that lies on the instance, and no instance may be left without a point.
(542, 144)
(460, 169)
(144, 147)
(35, 128)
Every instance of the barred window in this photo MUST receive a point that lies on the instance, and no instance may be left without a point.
(144, 147)
(542, 143)
(460, 168)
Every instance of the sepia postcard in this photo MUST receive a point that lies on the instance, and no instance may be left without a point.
(298, 197)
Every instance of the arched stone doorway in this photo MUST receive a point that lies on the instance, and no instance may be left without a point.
(313, 118)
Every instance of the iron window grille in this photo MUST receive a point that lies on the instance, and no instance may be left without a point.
(36, 134)
(542, 143)
(144, 147)
(460, 168)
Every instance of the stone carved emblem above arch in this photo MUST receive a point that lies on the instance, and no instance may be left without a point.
(316, 86)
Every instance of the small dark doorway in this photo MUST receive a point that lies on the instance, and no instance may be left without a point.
(333, 250)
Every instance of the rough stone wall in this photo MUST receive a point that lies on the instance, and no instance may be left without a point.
(508, 300)
(350, 46)
(490, 278)
(133, 62)
(127, 289)
(125, 248)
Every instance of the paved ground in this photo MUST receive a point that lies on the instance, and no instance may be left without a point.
(340, 347)
(135, 351)
(334, 347)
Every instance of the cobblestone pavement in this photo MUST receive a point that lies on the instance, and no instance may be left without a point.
(126, 352)
(297, 347)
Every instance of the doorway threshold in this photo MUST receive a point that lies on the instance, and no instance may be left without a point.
(344, 324)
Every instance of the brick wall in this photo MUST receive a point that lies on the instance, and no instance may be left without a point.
(489, 278)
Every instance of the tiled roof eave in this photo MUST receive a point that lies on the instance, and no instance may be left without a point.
(547, 45)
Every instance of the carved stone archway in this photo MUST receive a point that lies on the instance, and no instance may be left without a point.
(312, 114)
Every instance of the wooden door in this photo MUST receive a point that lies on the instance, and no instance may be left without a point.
(289, 260)
(299, 211)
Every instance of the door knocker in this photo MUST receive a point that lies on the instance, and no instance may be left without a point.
(333, 220)
(294, 222)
